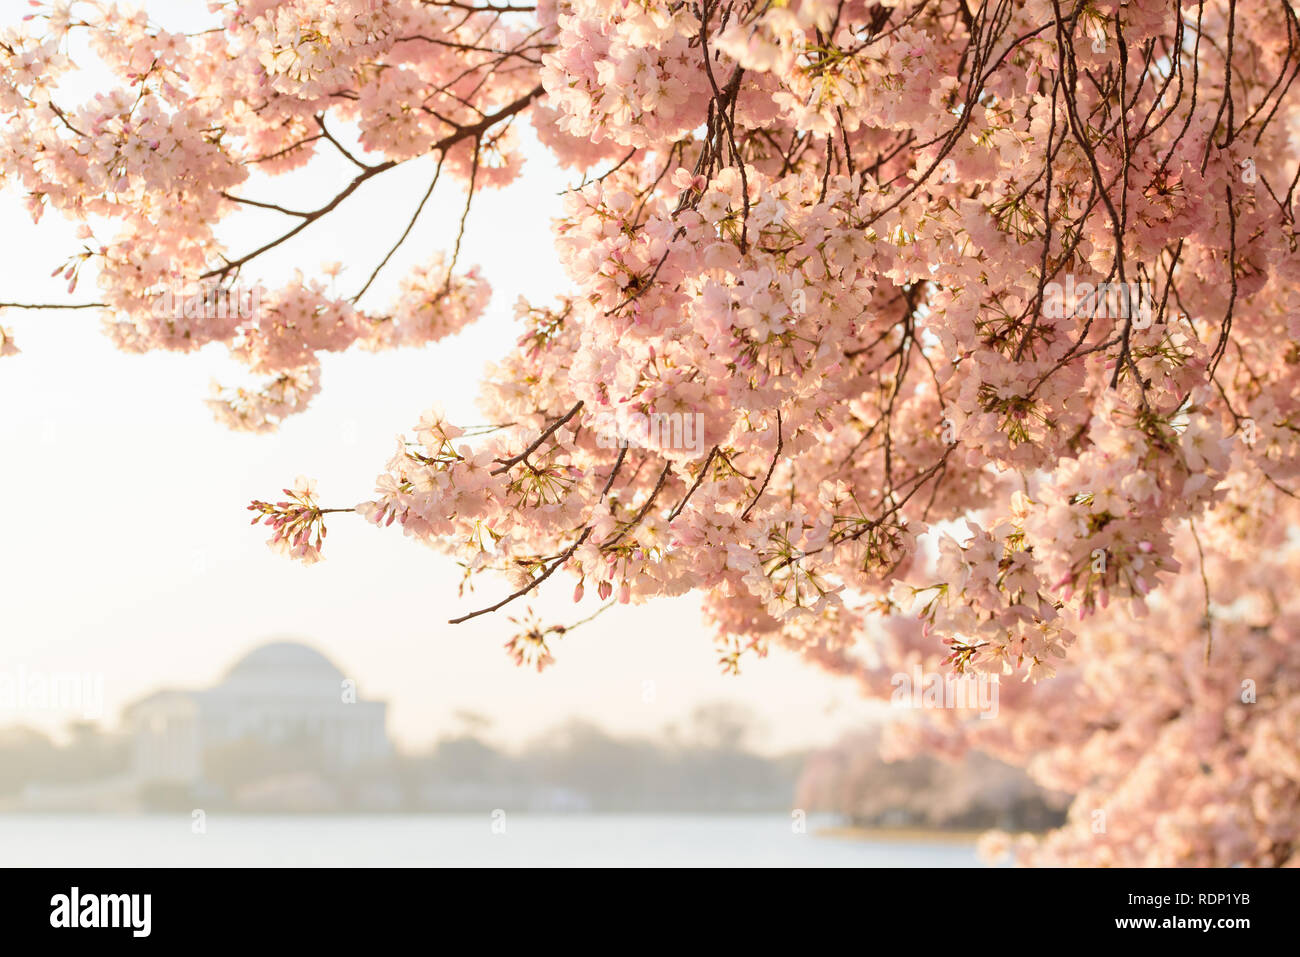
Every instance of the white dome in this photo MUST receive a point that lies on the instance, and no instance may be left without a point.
(283, 668)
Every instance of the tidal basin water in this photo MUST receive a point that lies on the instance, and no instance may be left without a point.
(554, 840)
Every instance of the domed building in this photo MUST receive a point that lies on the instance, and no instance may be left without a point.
(281, 694)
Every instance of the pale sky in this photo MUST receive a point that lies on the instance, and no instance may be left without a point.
(125, 549)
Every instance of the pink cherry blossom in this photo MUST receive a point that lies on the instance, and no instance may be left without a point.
(869, 246)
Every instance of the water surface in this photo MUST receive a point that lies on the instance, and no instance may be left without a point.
(553, 840)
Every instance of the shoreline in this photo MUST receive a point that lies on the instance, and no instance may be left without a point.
(901, 834)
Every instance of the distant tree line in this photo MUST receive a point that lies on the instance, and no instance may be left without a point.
(975, 792)
(705, 763)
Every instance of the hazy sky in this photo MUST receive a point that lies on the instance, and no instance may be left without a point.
(125, 549)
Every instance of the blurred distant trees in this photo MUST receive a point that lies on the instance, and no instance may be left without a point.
(852, 779)
(88, 754)
(705, 762)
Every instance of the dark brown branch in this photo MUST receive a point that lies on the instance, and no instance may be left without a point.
(507, 464)
(744, 516)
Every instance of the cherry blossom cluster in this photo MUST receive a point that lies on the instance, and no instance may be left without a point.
(834, 233)
(1175, 733)
(297, 523)
(151, 168)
